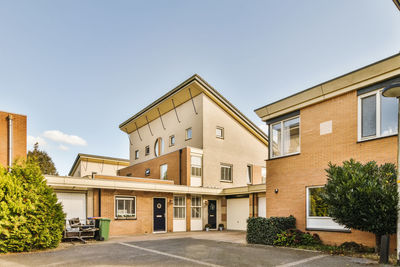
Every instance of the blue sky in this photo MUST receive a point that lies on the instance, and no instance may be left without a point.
(79, 68)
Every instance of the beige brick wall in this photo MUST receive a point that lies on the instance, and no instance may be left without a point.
(291, 175)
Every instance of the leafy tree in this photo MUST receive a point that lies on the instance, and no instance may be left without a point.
(30, 217)
(45, 162)
(363, 196)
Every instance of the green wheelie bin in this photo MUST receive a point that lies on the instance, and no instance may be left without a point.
(104, 228)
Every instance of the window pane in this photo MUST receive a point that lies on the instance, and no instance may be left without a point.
(316, 205)
(120, 207)
(276, 140)
(368, 110)
(291, 136)
(249, 174)
(389, 109)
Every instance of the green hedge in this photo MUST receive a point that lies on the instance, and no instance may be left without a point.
(265, 230)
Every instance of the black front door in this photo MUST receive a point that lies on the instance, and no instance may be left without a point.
(212, 213)
(159, 214)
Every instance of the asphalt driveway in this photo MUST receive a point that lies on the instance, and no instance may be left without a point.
(183, 251)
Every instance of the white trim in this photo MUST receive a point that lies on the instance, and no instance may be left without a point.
(165, 217)
(281, 145)
(378, 94)
(124, 197)
(174, 206)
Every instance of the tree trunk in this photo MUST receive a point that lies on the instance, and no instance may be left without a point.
(377, 243)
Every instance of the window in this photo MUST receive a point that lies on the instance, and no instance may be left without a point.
(172, 140)
(136, 154)
(196, 166)
(159, 147)
(219, 132)
(179, 207)
(147, 150)
(125, 207)
(163, 171)
(285, 137)
(196, 207)
(317, 211)
(249, 174)
(188, 133)
(263, 175)
(377, 115)
(226, 172)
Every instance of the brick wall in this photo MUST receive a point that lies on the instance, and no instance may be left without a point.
(19, 137)
(291, 175)
(172, 159)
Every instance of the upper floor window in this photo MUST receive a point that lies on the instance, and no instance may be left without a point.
(219, 132)
(377, 115)
(147, 150)
(172, 140)
(188, 133)
(226, 172)
(196, 166)
(263, 175)
(249, 174)
(285, 137)
(159, 147)
(136, 154)
(163, 171)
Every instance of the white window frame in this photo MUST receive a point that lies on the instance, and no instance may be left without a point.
(166, 176)
(119, 197)
(186, 133)
(225, 165)
(263, 178)
(322, 222)
(199, 206)
(222, 136)
(378, 94)
(179, 206)
(170, 140)
(249, 175)
(137, 154)
(281, 146)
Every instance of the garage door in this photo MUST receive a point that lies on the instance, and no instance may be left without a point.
(237, 213)
(262, 208)
(74, 205)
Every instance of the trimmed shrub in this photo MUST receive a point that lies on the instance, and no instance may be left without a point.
(265, 230)
(30, 217)
(295, 237)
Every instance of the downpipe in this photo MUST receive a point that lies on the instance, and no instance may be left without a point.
(10, 141)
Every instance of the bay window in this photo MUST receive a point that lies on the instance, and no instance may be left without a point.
(377, 115)
(285, 136)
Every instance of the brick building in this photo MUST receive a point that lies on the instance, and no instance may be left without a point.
(194, 160)
(12, 138)
(343, 118)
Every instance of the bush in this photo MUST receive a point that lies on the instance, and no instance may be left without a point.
(355, 247)
(30, 217)
(265, 230)
(296, 238)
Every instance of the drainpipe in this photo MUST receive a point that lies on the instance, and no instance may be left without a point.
(10, 140)
(99, 202)
(253, 205)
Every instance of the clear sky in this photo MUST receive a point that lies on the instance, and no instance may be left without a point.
(79, 68)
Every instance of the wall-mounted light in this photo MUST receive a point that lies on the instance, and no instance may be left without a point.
(276, 190)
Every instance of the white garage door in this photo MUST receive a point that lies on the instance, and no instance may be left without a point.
(262, 208)
(74, 205)
(237, 213)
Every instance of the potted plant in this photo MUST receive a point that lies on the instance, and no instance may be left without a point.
(221, 226)
(208, 227)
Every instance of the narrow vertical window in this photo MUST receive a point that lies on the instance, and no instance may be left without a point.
(196, 207)
(136, 154)
(172, 140)
(249, 174)
(368, 109)
(263, 175)
(219, 132)
(179, 207)
(163, 171)
(188, 133)
(147, 150)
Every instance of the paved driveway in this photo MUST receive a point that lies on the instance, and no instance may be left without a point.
(175, 250)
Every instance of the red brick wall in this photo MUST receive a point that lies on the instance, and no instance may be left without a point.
(291, 175)
(19, 137)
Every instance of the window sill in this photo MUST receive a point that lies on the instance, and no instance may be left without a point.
(375, 138)
(223, 181)
(329, 230)
(187, 139)
(285, 156)
(125, 219)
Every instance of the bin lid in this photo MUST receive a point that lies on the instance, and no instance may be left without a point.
(104, 219)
